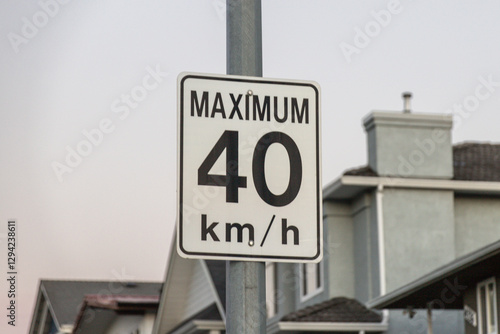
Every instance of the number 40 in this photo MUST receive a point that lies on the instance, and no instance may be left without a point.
(232, 181)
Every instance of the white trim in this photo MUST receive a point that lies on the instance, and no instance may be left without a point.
(49, 305)
(214, 290)
(485, 283)
(309, 295)
(271, 289)
(381, 240)
(43, 318)
(426, 120)
(66, 329)
(209, 325)
(333, 326)
(399, 182)
(194, 326)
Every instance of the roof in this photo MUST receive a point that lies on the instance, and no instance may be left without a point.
(471, 162)
(89, 321)
(217, 271)
(339, 309)
(455, 276)
(361, 171)
(122, 302)
(66, 297)
(194, 295)
(476, 162)
(209, 313)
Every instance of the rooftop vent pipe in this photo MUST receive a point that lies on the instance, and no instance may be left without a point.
(407, 100)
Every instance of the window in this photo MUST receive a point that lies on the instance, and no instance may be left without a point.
(311, 279)
(271, 289)
(487, 307)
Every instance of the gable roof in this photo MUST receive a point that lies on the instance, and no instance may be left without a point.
(191, 290)
(339, 314)
(471, 162)
(109, 307)
(65, 298)
(217, 271)
(339, 309)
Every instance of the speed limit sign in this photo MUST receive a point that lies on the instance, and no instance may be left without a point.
(249, 169)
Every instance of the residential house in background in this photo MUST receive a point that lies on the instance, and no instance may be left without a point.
(95, 307)
(419, 204)
(468, 283)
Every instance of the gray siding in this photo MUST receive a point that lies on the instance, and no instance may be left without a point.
(338, 250)
(443, 322)
(374, 246)
(477, 223)
(409, 145)
(286, 292)
(198, 296)
(363, 248)
(418, 233)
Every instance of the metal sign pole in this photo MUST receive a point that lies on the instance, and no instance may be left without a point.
(245, 281)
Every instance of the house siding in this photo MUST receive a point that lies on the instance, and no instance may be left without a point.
(363, 275)
(418, 233)
(198, 297)
(286, 291)
(338, 251)
(477, 223)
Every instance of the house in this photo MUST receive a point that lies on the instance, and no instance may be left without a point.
(468, 283)
(95, 307)
(418, 204)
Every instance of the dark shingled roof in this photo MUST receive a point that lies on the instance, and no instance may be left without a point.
(66, 297)
(339, 309)
(471, 162)
(217, 270)
(361, 171)
(476, 162)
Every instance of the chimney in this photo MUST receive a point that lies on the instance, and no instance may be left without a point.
(405, 144)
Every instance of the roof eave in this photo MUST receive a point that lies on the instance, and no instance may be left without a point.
(346, 187)
(439, 274)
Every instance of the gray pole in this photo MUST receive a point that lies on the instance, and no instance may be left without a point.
(245, 281)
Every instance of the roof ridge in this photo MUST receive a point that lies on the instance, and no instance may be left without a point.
(477, 143)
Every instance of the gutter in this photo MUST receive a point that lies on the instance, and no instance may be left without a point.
(380, 233)
(333, 326)
(449, 269)
(413, 183)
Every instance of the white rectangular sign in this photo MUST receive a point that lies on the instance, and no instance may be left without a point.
(249, 173)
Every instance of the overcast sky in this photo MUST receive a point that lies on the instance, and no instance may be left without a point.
(68, 69)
